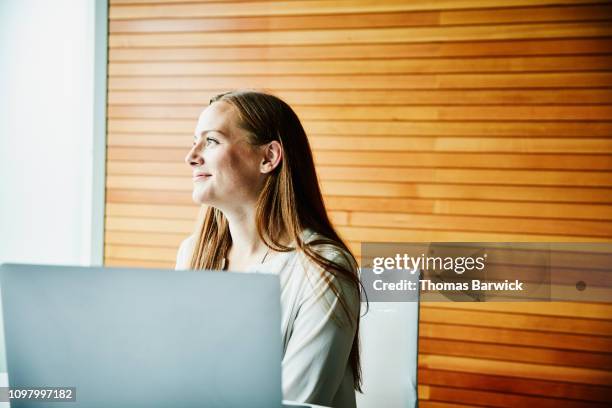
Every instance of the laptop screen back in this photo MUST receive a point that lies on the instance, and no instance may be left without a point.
(143, 338)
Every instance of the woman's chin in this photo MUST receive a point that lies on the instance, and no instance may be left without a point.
(200, 198)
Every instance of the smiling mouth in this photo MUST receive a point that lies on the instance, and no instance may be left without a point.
(201, 177)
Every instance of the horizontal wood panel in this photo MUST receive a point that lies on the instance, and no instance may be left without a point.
(182, 212)
(367, 150)
(372, 161)
(140, 253)
(173, 226)
(147, 196)
(459, 207)
(371, 152)
(467, 396)
(380, 234)
(360, 20)
(596, 360)
(390, 97)
(400, 189)
(417, 159)
(360, 67)
(522, 15)
(513, 369)
(463, 144)
(139, 263)
(150, 225)
(374, 188)
(514, 129)
(152, 211)
(351, 233)
(296, 22)
(522, 386)
(407, 113)
(468, 192)
(362, 35)
(434, 313)
(426, 206)
(545, 129)
(516, 337)
(580, 310)
(389, 81)
(397, 220)
(592, 46)
(148, 168)
(459, 176)
(145, 239)
(475, 223)
(280, 8)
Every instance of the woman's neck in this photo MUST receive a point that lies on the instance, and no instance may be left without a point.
(247, 246)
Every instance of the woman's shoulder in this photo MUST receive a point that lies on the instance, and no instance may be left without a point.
(183, 256)
(333, 252)
(326, 284)
(329, 249)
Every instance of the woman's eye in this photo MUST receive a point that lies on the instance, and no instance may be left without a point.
(210, 141)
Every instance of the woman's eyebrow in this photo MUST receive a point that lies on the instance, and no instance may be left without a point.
(204, 132)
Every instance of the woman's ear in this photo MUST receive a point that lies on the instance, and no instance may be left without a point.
(273, 153)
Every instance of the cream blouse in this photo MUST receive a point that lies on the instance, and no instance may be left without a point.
(316, 346)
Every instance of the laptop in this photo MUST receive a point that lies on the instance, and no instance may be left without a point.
(122, 337)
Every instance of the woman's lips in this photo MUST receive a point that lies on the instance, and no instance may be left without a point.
(201, 177)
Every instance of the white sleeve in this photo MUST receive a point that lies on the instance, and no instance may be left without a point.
(317, 353)
(183, 256)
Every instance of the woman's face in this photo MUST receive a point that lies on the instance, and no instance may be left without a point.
(226, 168)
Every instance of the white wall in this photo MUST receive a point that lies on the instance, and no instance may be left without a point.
(46, 132)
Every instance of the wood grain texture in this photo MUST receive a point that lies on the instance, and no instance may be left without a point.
(381, 98)
(587, 12)
(469, 120)
(359, 66)
(308, 7)
(369, 82)
(367, 127)
(477, 48)
(393, 113)
(362, 35)
(522, 386)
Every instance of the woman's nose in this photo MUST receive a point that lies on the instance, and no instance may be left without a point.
(194, 157)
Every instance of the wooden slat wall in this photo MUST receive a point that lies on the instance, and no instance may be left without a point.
(472, 120)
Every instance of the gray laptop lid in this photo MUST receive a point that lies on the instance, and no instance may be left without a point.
(143, 338)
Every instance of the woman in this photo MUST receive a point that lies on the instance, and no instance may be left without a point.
(253, 169)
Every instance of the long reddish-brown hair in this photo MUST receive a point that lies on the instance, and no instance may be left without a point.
(289, 202)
